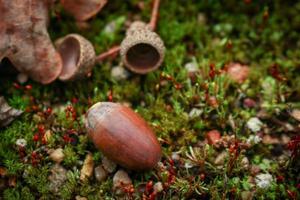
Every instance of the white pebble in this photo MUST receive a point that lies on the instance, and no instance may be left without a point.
(191, 67)
(158, 187)
(195, 112)
(21, 142)
(254, 124)
(254, 139)
(263, 180)
(119, 73)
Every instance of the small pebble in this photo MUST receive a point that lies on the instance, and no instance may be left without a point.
(254, 124)
(254, 169)
(191, 67)
(254, 139)
(110, 28)
(245, 163)
(296, 114)
(57, 178)
(120, 179)
(57, 155)
(213, 136)
(108, 165)
(100, 173)
(80, 198)
(247, 195)
(119, 73)
(188, 165)
(21, 142)
(22, 78)
(249, 103)
(267, 139)
(237, 72)
(201, 19)
(195, 112)
(263, 180)
(158, 187)
(220, 159)
(175, 156)
(87, 168)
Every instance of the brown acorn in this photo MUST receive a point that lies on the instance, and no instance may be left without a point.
(83, 9)
(142, 50)
(78, 56)
(123, 136)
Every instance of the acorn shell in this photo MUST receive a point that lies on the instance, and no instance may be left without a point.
(142, 50)
(123, 136)
(78, 56)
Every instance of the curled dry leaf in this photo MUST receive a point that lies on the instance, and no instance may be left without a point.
(83, 9)
(7, 113)
(25, 40)
(87, 168)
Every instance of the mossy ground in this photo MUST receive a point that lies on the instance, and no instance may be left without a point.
(256, 33)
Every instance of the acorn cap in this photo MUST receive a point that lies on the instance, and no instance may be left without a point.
(142, 50)
(83, 9)
(78, 56)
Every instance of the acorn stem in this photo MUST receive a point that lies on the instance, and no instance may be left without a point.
(112, 51)
(154, 16)
(152, 25)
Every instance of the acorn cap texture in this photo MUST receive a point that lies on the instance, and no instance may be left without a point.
(142, 50)
(78, 56)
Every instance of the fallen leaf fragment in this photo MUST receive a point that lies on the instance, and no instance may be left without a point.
(7, 113)
(25, 40)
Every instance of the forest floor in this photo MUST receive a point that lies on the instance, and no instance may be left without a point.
(225, 106)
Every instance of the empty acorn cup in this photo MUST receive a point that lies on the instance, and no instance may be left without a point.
(142, 50)
(78, 56)
(83, 9)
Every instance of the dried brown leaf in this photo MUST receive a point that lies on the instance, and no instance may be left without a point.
(7, 113)
(25, 40)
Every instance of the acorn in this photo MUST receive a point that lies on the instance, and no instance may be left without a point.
(142, 50)
(123, 136)
(78, 56)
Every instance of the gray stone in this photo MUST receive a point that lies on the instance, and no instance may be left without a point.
(119, 73)
(57, 178)
(108, 165)
(100, 173)
(120, 179)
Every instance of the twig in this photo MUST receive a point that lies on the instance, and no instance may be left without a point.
(152, 24)
(112, 51)
(154, 15)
